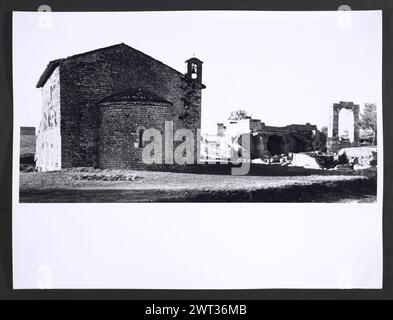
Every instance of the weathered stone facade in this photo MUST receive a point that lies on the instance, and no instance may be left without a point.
(120, 134)
(86, 80)
(334, 144)
(293, 138)
(264, 140)
(48, 146)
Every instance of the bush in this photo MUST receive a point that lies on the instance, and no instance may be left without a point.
(343, 159)
(26, 168)
(326, 161)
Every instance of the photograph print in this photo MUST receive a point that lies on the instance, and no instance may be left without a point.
(197, 107)
(197, 150)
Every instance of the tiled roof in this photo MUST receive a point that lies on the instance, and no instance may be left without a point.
(47, 72)
(55, 63)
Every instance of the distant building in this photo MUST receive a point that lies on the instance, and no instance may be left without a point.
(27, 145)
(97, 104)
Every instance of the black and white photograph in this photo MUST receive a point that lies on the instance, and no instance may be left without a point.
(222, 111)
(252, 122)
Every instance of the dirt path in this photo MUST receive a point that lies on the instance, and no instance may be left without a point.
(188, 188)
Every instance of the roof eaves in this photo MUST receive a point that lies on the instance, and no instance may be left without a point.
(52, 65)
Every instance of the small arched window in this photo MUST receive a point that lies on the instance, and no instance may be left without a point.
(140, 137)
(194, 71)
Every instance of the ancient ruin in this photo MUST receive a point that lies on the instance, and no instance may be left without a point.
(334, 143)
(264, 140)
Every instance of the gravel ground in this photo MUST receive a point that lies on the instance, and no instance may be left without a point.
(164, 180)
(89, 185)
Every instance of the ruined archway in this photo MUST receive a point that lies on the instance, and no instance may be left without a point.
(276, 145)
(297, 144)
(345, 125)
(334, 144)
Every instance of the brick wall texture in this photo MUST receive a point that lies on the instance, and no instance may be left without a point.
(121, 124)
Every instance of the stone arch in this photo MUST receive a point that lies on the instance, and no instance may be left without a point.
(345, 124)
(276, 144)
(297, 144)
(333, 139)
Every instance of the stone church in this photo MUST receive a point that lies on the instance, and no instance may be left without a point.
(96, 105)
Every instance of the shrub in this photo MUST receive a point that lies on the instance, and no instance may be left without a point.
(343, 159)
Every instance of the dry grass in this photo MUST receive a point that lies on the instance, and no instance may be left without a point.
(68, 179)
(88, 185)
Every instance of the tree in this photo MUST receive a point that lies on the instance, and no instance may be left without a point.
(368, 119)
(343, 158)
(319, 140)
(324, 130)
(238, 115)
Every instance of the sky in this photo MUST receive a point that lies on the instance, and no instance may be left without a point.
(281, 67)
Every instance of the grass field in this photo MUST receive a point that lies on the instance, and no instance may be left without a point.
(89, 185)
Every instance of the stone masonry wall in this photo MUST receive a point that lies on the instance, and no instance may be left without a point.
(48, 146)
(88, 78)
(118, 131)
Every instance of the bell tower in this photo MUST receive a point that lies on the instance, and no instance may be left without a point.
(194, 69)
